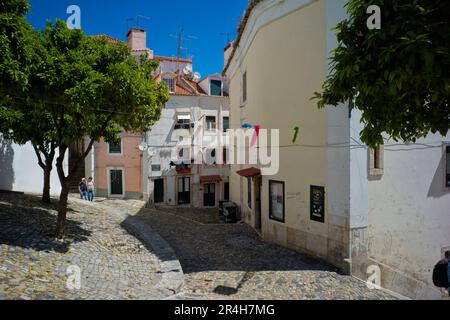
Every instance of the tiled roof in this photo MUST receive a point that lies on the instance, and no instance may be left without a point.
(186, 87)
(161, 58)
(110, 39)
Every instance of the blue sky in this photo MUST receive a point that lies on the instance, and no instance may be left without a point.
(203, 19)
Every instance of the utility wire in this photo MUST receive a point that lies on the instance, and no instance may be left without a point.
(336, 145)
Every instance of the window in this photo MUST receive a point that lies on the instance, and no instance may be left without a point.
(156, 167)
(183, 122)
(115, 148)
(226, 124)
(376, 159)
(244, 87)
(211, 123)
(448, 166)
(216, 87)
(249, 192)
(170, 84)
(276, 200)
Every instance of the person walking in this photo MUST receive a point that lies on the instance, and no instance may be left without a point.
(441, 273)
(82, 188)
(90, 189)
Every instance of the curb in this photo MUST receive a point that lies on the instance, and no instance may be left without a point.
(172, 272)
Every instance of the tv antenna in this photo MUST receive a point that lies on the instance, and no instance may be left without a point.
(138, 19)
(180, 38)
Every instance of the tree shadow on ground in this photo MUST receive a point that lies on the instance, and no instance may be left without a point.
(28, 223)
(226, 247)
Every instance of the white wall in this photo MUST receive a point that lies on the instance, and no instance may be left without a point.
(409, 213)
(19, 170)
(161, 134)
(338, 133)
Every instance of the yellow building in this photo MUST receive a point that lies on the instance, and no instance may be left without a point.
(279, 62)
(377, 214)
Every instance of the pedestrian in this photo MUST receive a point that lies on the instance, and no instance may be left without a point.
(82, 188)
(441, 273)
(90, 189)
(447, 257)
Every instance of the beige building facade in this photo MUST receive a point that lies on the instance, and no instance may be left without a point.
(332, 197)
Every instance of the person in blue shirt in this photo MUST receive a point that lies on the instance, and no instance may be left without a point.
(82, 188)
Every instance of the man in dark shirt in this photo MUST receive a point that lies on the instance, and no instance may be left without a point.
(82, 188)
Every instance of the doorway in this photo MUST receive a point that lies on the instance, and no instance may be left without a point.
(226, 192)
(209, 195)
(116, 182)
(159, 191)
(184, 190)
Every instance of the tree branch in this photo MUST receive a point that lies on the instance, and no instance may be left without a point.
(89, 148)
(38, 154)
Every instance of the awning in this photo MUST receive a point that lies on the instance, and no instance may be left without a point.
(183, 116)
(249, 172)
(206, 179)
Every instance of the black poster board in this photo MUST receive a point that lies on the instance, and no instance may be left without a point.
(317, 204)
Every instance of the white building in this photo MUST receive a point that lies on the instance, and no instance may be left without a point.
(332, 197)
(195, 115)
(19, 169)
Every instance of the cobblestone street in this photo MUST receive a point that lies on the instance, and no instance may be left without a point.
(219, 261)
(114, 264)
(223, 261)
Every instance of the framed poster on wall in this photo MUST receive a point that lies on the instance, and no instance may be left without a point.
(276, 200)
(317, 203)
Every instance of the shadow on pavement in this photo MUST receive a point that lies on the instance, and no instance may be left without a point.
(28, 223)
(227, 247)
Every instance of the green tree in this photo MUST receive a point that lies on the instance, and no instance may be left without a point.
(398, 76)
(21, 53)
(17, 53)
(95, 89)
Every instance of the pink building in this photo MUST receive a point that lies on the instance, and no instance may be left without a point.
(117, 168)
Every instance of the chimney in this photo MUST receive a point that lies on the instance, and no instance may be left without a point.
(137, 39)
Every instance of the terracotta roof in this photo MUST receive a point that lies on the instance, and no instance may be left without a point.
(110, 39)
(161, 58)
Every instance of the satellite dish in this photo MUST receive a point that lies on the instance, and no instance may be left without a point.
(143, 146)
(187, 70)
(197, 76)
(151, 153)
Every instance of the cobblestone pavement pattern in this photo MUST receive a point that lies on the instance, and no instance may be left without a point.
(33, 265)
(231, 262)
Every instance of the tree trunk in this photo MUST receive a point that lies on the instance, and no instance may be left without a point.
(47, 172)
(62, 211)
(62, 206)
(46, 189)
(64, 180)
